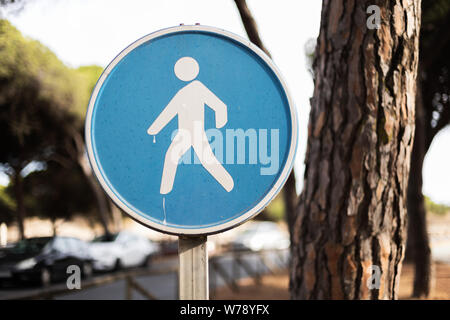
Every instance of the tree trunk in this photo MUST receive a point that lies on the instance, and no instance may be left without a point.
(19, 197)
(80, 157)
(352, 211)
(250, 25)
(418, 248)
(102, 204)
(54, 226)
(290, 202)
(116, 215)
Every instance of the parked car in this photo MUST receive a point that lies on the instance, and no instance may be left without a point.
(261, 236)
(44, 259)
(122, 250)
(168, 247)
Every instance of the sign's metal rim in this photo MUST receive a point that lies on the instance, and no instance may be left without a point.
(191, 231)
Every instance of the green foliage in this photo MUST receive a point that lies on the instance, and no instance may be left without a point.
(26, 63)
(434, 65)
(90, 74)
(6, 199)
(434, 10)
(57, 192)
(7, 206)
(85, 79)
(40, 98)
(432, 207)
(42, 105)
(275, 210)
(36, 100)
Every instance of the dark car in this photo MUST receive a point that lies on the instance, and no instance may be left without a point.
(44, 259)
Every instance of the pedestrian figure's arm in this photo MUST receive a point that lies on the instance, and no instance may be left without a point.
(169, 112)
(217, 105)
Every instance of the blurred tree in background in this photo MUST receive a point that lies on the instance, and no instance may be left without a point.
(58, 193)
(54, 192)
(36, 100)
(436, 208)
(432, 115)
(42, 105)
(7, 206)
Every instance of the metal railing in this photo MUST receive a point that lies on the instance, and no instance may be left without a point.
(260, 263)
(241, 264)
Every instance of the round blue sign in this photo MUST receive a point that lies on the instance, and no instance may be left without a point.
(190, 130)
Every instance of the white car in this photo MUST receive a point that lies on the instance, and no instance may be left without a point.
(121, 250)
(261, 236)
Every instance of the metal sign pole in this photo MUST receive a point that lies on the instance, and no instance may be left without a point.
(193, 272)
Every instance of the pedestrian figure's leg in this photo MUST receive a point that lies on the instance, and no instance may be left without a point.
(176, 150)
(212, 165)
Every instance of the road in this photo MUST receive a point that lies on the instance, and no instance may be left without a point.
(223, 270)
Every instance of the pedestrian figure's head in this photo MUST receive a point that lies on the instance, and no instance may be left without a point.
(186, 69)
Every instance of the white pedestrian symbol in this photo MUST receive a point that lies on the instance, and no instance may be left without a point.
(189, 104)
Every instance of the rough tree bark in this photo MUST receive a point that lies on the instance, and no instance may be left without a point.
(418, 243)
(19, 197)
(116, 215)
(80, 157)
(352, 211)
(290, 203)
(433, 89)
(289, 189)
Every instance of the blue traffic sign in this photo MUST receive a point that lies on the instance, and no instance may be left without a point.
(191, 130)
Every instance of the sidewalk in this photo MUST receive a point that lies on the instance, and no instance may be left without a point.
(275, 287)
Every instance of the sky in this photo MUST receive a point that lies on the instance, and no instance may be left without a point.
(85, 32)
